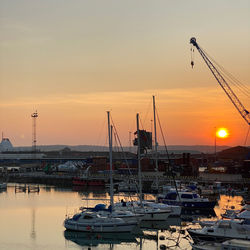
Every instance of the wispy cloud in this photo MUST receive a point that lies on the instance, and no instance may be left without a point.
(173, 96)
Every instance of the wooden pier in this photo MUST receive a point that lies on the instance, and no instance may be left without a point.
(20, 188)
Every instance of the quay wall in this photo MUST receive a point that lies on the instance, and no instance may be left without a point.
(66, 179)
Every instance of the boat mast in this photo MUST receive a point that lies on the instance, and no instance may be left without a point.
(110, 132)
(156, 146)
(139, 157)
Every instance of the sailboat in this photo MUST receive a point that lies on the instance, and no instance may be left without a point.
(93, 221)
(151, 211)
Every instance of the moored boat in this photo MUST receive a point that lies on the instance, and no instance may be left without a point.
(150, 213)
(222, 230)
(186, 200)
(126, 215)
(233, 244)
(93, 222)
(86, 221)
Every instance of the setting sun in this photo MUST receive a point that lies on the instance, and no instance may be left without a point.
(222, 133)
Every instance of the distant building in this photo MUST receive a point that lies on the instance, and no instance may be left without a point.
(5, 145)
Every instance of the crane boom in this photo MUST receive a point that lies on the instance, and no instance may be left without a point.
(220, 79)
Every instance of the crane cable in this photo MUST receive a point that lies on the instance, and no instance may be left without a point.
(245, 143)
(242, 87)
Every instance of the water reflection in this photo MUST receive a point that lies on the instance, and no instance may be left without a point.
(95, 239)
(33, 224)
(160, 225)
(150, 235)
(35, 219)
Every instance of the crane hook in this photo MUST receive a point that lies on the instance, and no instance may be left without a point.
(192, 56)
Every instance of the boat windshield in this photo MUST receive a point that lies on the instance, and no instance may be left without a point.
(87, 217)
(187, 196)
(195, 196)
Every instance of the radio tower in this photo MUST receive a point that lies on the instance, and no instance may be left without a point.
(34, 116)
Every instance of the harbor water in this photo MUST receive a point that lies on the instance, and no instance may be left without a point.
(33, 219)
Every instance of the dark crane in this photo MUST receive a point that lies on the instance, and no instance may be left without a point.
(220, 79)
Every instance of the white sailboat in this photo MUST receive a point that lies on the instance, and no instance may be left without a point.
(86, 221)
(151, 211)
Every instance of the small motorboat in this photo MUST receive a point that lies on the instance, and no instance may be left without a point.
(186, 199)
(222, 230)
(244, 213)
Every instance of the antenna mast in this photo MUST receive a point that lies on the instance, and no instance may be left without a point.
(34, 116)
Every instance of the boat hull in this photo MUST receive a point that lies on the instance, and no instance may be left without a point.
(95, 227)
(191, 204)
(197, 237)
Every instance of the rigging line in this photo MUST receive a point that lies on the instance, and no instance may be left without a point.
(124, 156)
(114, 142)
(225, 71)
(245, 143)
(165, 145)
(164, 141)
(147, 112)
(141, 123)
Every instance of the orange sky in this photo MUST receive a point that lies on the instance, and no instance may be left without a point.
(73, 61)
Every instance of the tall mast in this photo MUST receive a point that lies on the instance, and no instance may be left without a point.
(130, 141)
(110, 132)
(139, 157)
(156, 145)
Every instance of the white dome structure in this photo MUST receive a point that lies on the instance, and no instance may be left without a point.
(5, 145)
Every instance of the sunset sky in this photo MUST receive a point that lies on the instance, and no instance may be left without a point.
(74, 60)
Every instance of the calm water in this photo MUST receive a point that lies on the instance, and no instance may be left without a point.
(35, 221)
